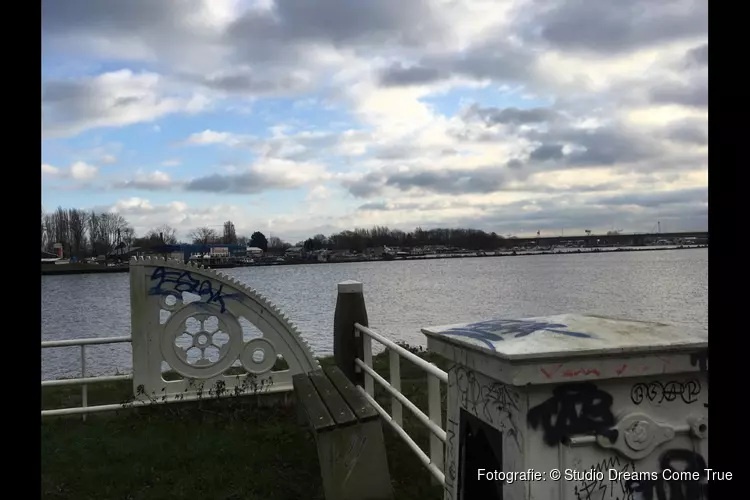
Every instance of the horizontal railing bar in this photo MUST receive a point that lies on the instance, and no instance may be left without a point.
(170, 399)
(435, 429)
(85, 380)
(92, 341)
(93, 409)
(426, 366)
(407, 439)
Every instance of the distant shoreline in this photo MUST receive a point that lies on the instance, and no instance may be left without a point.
(68, 269)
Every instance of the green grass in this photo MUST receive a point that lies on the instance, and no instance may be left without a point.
(217, 450)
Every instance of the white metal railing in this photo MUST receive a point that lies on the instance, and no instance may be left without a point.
(83, 381)
(435, 461)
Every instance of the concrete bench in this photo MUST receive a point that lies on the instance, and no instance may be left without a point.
(348, 434)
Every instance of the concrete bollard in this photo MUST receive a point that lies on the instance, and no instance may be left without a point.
(350, 309)
(606, 405)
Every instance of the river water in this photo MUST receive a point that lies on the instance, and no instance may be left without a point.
(402, 297)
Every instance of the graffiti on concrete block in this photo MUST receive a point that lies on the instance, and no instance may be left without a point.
(481, 399)
(577, 408)
(450, 458)
(670, 482)
(489, 332)
(606, 480)
(658, 392)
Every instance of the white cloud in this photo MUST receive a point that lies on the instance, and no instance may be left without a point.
(626, 84)
(149, 181)
(50, 170)
(83, 171)
(114, 99)
(211, 137)
(79, 171)
(144, 215)
(262, 175)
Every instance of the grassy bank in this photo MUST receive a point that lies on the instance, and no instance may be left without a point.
(218, 450)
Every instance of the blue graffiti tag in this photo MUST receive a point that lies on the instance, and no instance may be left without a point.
(496, 330)
(184, 282)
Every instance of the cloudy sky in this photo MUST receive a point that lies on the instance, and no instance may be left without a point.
(296, 117)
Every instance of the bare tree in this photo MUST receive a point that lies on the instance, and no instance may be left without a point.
(203, 236)
(59, 229)
(49, 231)
(230, 235)
(95, 237)
(165, 234)
(107, 230)
(43, 240)
(127, 235)
(275, 242)
(77, 223)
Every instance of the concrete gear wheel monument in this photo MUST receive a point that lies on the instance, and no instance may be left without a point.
(189, 317)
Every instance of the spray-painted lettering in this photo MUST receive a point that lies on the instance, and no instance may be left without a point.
(675, 460)
(576, 408)
(497, 330)
(176, 283)
(657, 392)
(602, 486)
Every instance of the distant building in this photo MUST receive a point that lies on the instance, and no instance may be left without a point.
(254, 252)
(294, 252)
(376, 251)
(186, 251)
(49, 258)
(219, 252)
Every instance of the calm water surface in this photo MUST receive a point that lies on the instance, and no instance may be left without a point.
(402, 297)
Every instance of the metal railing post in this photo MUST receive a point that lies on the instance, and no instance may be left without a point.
(435, 414)
(367, 346)
(83, 381)
(435, 462)
(394, 362)
(84, 387)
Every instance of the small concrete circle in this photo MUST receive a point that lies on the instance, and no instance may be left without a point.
(258, 356)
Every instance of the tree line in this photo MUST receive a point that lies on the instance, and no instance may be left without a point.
(360, 239)
(83, 234)
(88, 234)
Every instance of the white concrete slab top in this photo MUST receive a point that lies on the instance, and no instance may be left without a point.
(568, 335)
